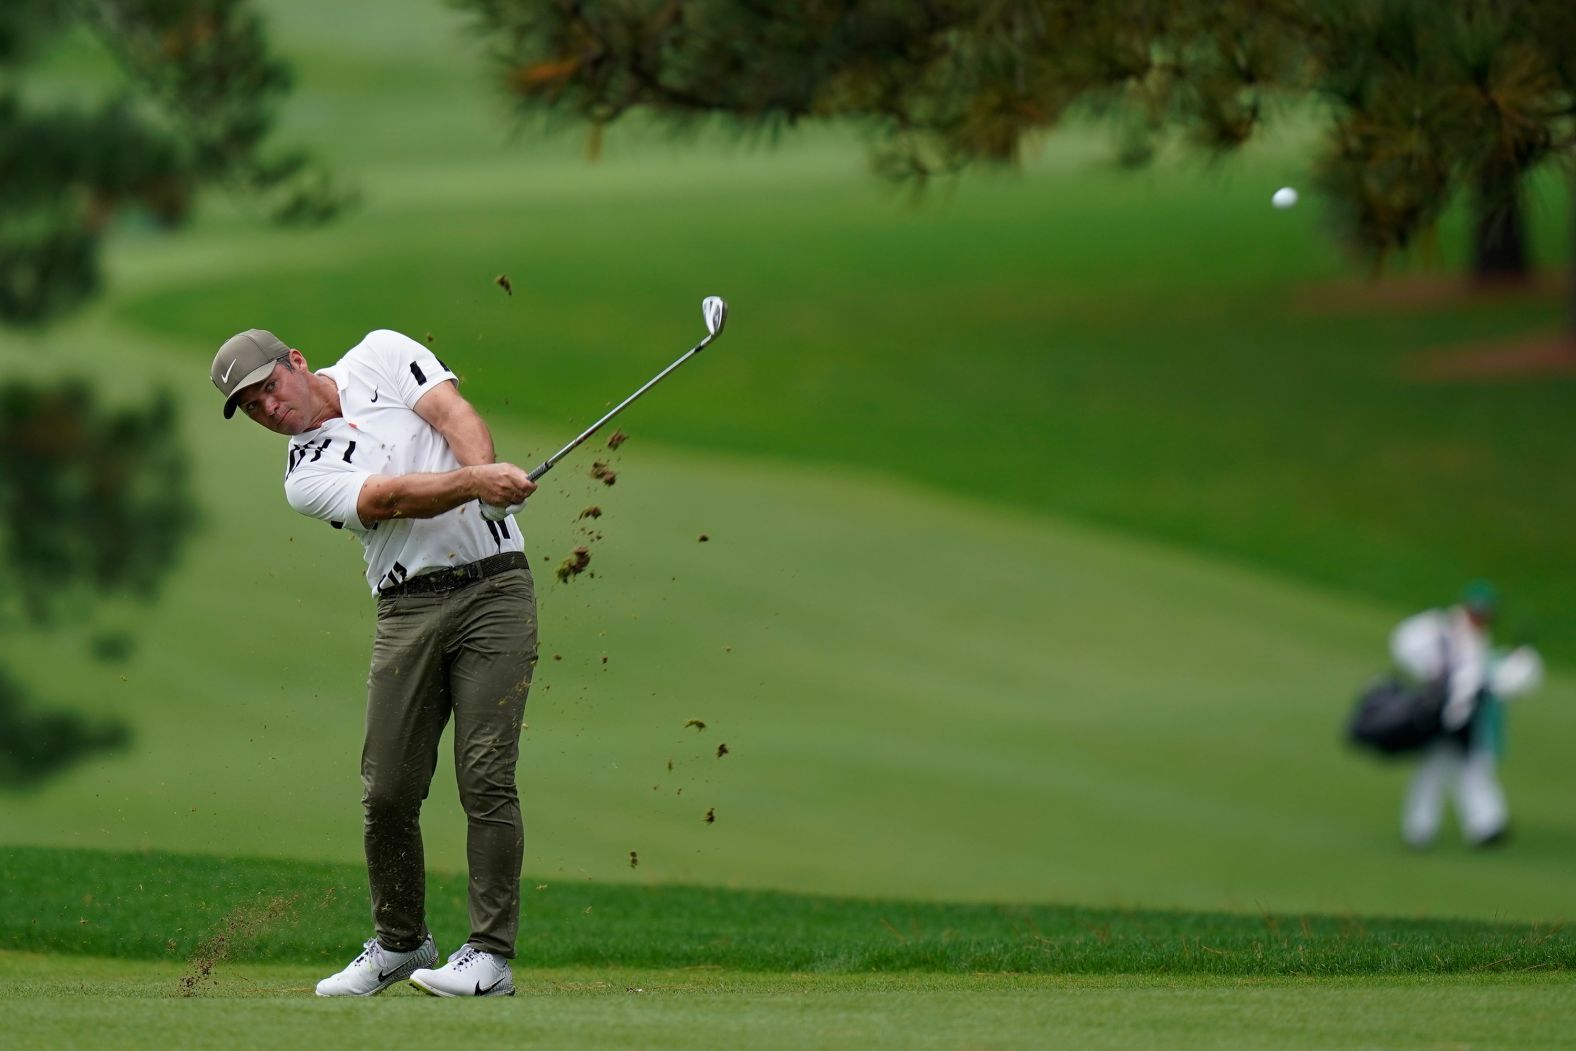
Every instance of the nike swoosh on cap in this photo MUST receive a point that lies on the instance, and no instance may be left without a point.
(226, 377)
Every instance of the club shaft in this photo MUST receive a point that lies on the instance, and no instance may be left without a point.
(547, 465)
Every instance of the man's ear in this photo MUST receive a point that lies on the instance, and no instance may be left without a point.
(298, 361)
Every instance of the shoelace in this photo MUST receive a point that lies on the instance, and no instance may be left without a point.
(463, 957)
(373, 950)
(366, 950)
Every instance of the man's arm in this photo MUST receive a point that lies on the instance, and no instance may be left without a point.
(326, 490)
(429, 494)
(448, 413)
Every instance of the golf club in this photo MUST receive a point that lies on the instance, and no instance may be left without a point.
(715, 310)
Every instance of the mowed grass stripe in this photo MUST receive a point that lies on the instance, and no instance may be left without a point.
(162, 906)
(68, 1002)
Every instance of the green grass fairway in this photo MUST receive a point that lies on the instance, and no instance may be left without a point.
(85, 1002)
(921, 696)
(1024, 548)
(225, 954)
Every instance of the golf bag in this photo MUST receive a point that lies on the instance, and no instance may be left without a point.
(1393, 717)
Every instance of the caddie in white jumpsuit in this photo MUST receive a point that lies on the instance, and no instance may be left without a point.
(1462, 763)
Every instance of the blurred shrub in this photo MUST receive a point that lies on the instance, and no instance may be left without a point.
(93, 501)
(34, 744)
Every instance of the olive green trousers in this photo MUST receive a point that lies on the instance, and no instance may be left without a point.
(469, 654)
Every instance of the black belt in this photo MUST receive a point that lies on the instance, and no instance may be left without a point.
(453, 578)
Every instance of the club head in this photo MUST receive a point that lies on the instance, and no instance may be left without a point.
(716, 313)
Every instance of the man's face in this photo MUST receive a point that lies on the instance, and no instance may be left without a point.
(281, 402)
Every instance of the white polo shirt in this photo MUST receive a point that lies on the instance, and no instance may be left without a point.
(380, 380)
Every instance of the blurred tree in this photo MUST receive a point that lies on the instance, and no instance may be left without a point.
(1434, 99)
(95, 501)
(192, 107)
(1425, 98)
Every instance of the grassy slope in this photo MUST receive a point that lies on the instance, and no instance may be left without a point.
(920, 697)
(1137, 351)
(979, 347)
(55, 1003)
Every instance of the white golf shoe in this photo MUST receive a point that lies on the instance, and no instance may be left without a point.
(469, 972)
(378, 968)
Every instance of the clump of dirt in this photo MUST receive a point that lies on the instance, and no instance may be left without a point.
(711, 815)
(634, 859)
(502, 281)
(239, 927)
(591, 512)
(722, 750)
(575, 564)
(697, 723)
(603, 473)
(703, 538)
(616, 439)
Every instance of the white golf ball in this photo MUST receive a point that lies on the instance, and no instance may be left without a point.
(1284, 197)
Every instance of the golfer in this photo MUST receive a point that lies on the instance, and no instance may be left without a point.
(383, 445)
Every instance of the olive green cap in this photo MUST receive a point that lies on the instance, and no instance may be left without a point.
(245, 359)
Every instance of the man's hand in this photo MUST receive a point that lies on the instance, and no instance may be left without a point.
(497, 512)
(501, 484)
